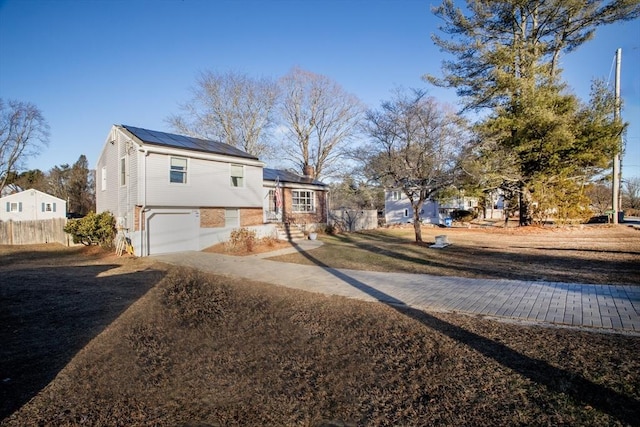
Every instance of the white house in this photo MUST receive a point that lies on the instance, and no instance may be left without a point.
(31, 205)
(398, 208)
(172, 193)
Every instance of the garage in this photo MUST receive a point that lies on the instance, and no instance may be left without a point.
(172, 231)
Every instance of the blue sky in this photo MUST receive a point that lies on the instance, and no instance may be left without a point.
(90, 64)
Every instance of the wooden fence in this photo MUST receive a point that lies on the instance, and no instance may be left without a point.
(33, 232)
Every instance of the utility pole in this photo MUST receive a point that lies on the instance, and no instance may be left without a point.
(615, 199)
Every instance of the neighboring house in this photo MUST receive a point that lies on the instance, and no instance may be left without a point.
(172, 193)
(398, 209)
(31, 205)
(294, 199)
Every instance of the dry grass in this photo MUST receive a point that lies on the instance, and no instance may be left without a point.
(598, 254)
(93, 339)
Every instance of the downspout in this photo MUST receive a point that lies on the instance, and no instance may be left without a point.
(141, 215)
(327, 208)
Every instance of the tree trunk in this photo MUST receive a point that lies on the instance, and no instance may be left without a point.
(525, 206)
(416, 224)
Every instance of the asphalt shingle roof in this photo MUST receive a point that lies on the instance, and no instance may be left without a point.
(286, 176)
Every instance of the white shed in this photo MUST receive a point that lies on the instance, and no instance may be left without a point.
(31, 205)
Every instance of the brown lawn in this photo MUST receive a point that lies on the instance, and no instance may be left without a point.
(89, 338)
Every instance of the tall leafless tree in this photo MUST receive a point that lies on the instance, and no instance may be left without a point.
(23, 132)
(230, 107)
(631, 195)
(319, 118)
(416, 146)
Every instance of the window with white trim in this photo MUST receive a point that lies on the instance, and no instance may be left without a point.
(303, 201)
(237, 176)
(123, 171)
(14, 206)
(396, 195)
(178, 170)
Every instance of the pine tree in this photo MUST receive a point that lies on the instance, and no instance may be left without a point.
(507, 61)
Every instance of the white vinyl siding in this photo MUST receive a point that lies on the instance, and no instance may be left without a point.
(208, 184)
(31, 205)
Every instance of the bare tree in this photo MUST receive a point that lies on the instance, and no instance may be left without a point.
(320, 119)
(599, 194)
(416, 147)
(230, 107)
(631, 195)
(23, 132)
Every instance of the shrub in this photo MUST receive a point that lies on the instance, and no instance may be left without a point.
(242, 238)
(270, 241)
(462, 215)
(93, 229)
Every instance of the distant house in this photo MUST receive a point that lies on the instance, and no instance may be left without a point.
(398, 208)
(31, 205)
(173, 193)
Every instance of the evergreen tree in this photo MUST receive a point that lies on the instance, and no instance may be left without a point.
(536, 135)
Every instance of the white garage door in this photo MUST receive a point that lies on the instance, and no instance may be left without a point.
(172, 232)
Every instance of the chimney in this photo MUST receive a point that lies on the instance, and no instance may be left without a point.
(308, 171)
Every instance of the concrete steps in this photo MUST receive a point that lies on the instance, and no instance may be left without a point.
(290, 232)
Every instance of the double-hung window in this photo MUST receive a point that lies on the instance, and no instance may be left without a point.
(303, 201)
(396, 195)
(237, 176)
(178, 170)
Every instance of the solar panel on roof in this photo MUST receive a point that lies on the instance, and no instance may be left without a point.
(181, 141)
